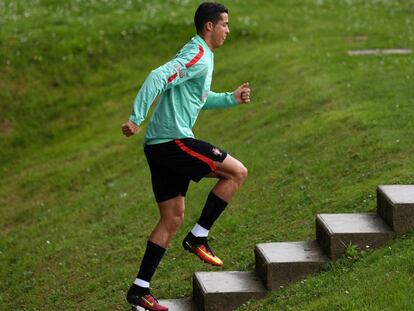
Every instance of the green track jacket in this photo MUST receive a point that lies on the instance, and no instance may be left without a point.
(184, 85)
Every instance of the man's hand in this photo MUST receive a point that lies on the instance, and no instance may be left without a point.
(129, 128)
(242, 93)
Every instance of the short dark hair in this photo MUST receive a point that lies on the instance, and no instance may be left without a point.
(208, 12)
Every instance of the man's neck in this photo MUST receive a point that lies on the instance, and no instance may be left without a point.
(207, 40)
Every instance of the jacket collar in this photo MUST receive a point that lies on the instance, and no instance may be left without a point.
(200, 40)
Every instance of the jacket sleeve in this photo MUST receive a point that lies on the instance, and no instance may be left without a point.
(220, 100)
(185, 66)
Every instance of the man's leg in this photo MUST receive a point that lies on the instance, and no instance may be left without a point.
(171, 218)
(231, 174)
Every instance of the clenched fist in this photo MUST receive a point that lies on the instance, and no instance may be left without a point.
(242, 93)
(129, 128)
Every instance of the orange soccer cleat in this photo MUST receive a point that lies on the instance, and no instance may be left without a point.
(200, 247)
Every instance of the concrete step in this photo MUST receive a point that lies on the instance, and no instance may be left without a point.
(185, 304)
(279, 264)
(395, 204)
(225, 291)
(334, 232)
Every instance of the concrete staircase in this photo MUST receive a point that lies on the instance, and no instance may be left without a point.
(280, 264)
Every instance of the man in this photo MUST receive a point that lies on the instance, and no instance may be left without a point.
(174, 156)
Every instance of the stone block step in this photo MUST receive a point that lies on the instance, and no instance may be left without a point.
(225, 291)
(279, 264)
(395, 204)
(334, 232)
(184, 304)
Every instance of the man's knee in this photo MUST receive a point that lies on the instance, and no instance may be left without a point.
(240, 173)
(173, 223)
(172, 214)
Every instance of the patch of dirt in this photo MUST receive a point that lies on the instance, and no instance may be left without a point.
(6, 127)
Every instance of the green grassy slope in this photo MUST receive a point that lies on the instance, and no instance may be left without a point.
(323, 130)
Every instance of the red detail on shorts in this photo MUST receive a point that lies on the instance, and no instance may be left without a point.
(192, 153)
(196, 58)
(171, 79)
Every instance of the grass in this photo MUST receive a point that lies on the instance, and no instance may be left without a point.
(323, 130)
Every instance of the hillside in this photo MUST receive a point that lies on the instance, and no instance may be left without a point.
(322, 131)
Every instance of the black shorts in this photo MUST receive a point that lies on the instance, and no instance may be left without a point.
(173, 164)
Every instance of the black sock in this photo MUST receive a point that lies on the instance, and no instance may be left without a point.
(150, 261)
(212, 209)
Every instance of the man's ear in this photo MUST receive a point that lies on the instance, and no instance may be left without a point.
(209, 26)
